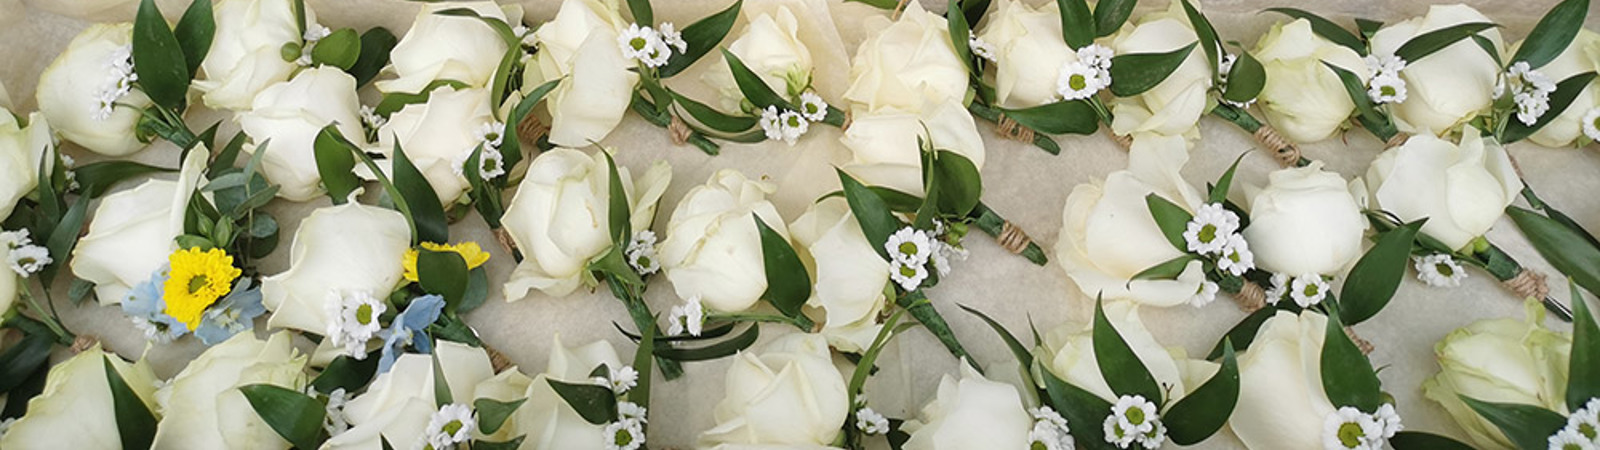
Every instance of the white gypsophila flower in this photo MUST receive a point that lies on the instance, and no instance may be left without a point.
(334, 419)
(1387, 88)
(908, 276)
(1236, 256)
(13, 239)
(1045, 413)
(1279, 288)
(671, 36)
(1079, 81)
(314, 33)
(632, 411)
(1308, 289)
(771, 124)
(371, 118)
(688, 317)
(793, 125)
(120, 78)
(1205, 295)
(813, 107)
(155, 332)
(623, 379)
(1208, 231)
(354, 320)
(1591, 124)
(29, 259)
(1531, 105)
(1349, 428)
(1570, 439)
(1096, 55)
(909, 246)
(492, 133)
(624, 434)
(641, 253)
(1390, 64)
(870, 422)
(981, 48)
(450, 425)
(1439, 270)
(1388, 419)
(943, 253)
(1225, 67)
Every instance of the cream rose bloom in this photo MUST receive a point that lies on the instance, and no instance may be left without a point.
(1108, 236)
(1174, 106)
(973, 412)
(1303, 99)
(1583, 55)
(1306, 220)
(397, 405)
(907, 65)
(435, 135)
(132, 231)
(1068, 353)
(883, 144)
(246, 55)
(291, 114)
(69, 89)
(328, 259)
(1450, 86)
(75, 409)
(22, 149)
(203, 407)
(788, 393)
(771, 46)
(449, 47)
(1030, 53)
(546, 418)
(1503, 361)
(559, 217)
(1283, 406)
(580, 48)
(713, 249)
(1461, 188)
(847, 275)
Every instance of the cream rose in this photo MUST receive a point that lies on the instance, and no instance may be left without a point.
(1502, 361)
(327, 259)
(1283, 405)
(246, 55)
(291, 114)
(547, 418)
(22, 149)
(203, 406)
(713, 249)
(771, 46)
(435, 135)
(1450, 86)
(1029, 52)
(908, 64)
(765, 388)
(973, 412)
(848, 275)
(1303, 99)
(449, 47)
(883, 145)
(1069, 354)
(70, 88)
(1583, 55)
(1461, 188)
(1108, 236)
(132, 231)
(1305, 220)
(75, 409)
(559, 217)
(397, 405)
(1174, 106)
(580, 48)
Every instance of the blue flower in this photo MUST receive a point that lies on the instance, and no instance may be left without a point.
(407, 329)
(145, 306)
(231, 315)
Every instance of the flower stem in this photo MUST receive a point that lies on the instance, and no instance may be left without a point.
(802, 323)
(49, 317)
(633, 298)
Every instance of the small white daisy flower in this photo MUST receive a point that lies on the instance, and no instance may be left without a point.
(632, 411)
(451, 425)
(637, 42)
(1208, 231)
(812, 106)
(1349, 428)
(771, 124)
(870, 422)
(1079, 81)
(908, 276)
(623, 379)
(1048, 415)
(1155, 437)
(1116, 434)
(793, 125)
(671, 36)
(981, 48)
(1205, 295)
(688, 317)
(1586, 421)
(1591, 124)
(1388, 420)
(1385, 64)
(1439, 270)
(1279, 288)
(1236, 257)
(660, 52)
(120, 78)
(29, 259)
(1387, 88)
(1050, 437)
(909, 246)
(624, 435)
(1096, 55)
(354, 320)
(13, 239)
(492, 133)
(371, 118)
(1308, 289)
(641, 252)
(1570, 439)
(334, 419)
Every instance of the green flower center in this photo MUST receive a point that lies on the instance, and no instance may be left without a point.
(488, 165)
(638, 43)
(1312, 290)
(197, 283)
(1037, 445)
(1207, 233)
(794, 121)
(908, 271)
(1587, 430)
(1077, 82)
(1350, 434)
(364, 314)
(1387, 91)
(908, 248)
(810, 108)
(452, 427)
(1444, 269)
(624, 438)
(1135, 416)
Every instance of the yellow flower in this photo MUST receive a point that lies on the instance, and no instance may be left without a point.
(469, 251)
(196, 280)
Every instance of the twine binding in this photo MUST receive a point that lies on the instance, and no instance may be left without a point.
(500, 234)
(1363, 344)
(1399, 139)
(1012, 238)
(1251, 297)
(498, 360)
(679, 131)
(1126, 141)
(899, 8)
(530, 129)
(1286, 152)
(1528, 284)
(83, 343)
(1010, 129)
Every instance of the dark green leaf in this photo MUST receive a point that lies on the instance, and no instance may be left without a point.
(1376, 276)
(64, 238)
(511, 145)
(345, 373)
(512, 444)
(1063, 117)
(960, 185)
(1417, 440)
(1200, 414)
(194, 32)
(97, 177)
(1347, 375)
(1109, 15)
(1168, 270)
(643, 362)
(1326, 28)
(867, 364)
(1368, 27)
(336, 164)
(158, 58)
(1427, 43)
(1583, 374)
(1246, 79)
(1488, 48)
(1171, 218)
(617, 210)
(701, 37)
(441, 385)
(877, 223)
(1553, 34)
(295, 416)
(1565, 249)
(135, 424)
(880, 4)
(1077, 23)
(1132, 74)
(713, 351)
(788, 285)
(492, 414)
(477, 290)
(1357, 90)
(341, 49)
(500, 27)
(1566, 91)
(596, 404)
(376, 44)
(1219, 192)
(1084, 411)
(395, 101)
(1210, 43)
(751, 85)
(710, 117)
(486, 197)
(1024, 357)
(960, 33)
(22, 359)
(642, 13)
(1121, 368)
(443, 273)
(420, 199)
(1526, 426)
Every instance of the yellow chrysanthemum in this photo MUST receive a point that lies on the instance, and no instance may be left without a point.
(469, 251)
(196, 280)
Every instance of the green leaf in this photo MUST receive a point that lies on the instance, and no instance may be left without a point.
(1207, 34)
(880, 4)
(136, 426)
(877, 223)
(960, 185)
(95, 178)
(1168, 270)
(500, 27)
(295, 416)
(1565, 249)
(596, 404)
(1368, 27)
(1219, 192)
(1077, 23)
(713, 351)
(916, 303)
(441, 385)
(1326, 28)
(642, 13)
(511, 144)
(395, 101)
(513, 444)
(1024, 357)
(443, 273)
(22, 359)
(336, 164)
(341, 49)
(1376, 276)
(1553, 34)
(1526, 426)
(1171, 218)
(1488, 48)
(1566, 92)
(1246, 79)
(225, 158)
(1084, 411)
(477, 290)
(1109, 15)
(1200, 414)
(1132, 74)
(158, 58)
(64, 238)
(869, 359)
(713, 118)
(1371, 118)
(1121, 368)
(617, 210)
(788, 285)
(1063, 117)
(1417, 440)
(1427, 43)
(701, 37)
(1583, 374)
(960, 33)
(194, 33)
(345, 373)
(376, 44)
(420, 199)
(643, 362)
(1347, 375)
(492, 414)
(751, 85)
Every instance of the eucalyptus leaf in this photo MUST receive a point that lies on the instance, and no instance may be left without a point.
(1200, 414)
(1347, 375)
(1553, 34)
(788, 284)
(1376, 276)
(1427, 43)
(1062, 117)
(1121, 368)
(293, 415)
(1526, 426)
(1171, 218)
(1326, 28)
(1133, 74)
(596, 404)
(701, 36)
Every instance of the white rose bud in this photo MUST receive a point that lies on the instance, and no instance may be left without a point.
(1108, 235)
(22, 149)
(1284, 406)
(972, 412)
(70, 88)
(580, 48)
(1450, 86)
(132, 231)
(75, 409)
(848, 275)
(883, 144)
(1174, 106)
(771, 46)
(435, 134)
(291, 114)
(204, 407)
(327, 257)
(397, 405)
(1461, 188)
(764, 386)
(246, 55)
(1069, 354)
(909, 63)
(1305, 221)
(547, 418)
(713, 249)
(1503, 361)
(1583, 55)
(1304, 99)
(1029, 52)
(559, 217)
(449, 47)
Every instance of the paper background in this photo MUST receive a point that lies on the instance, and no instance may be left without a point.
(1028, 186)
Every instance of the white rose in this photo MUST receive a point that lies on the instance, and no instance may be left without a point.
(713, 249)
(436, 134)
(766, 390)
(1304, 99)
(246, 55)
(1282, 404)
(771, 46)
(883, 144)
(75, 409)
(909, 62)
(1503, 361)
(548, 420)
(559, 217)
(449, 47)
(1030, 53)
(291, 114)
(1108, 235)
(1305, 221)
(847, 275)
(580, 48)
(973, 412)
(69, 92)
(1583, 55)
(397, 405)
(132, 231)
(1069, 354)
(1174, 106)
(22, 149)
(203, 406)
(1461, 188)
(327, 257)
(11, 284)
(1450, 86)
